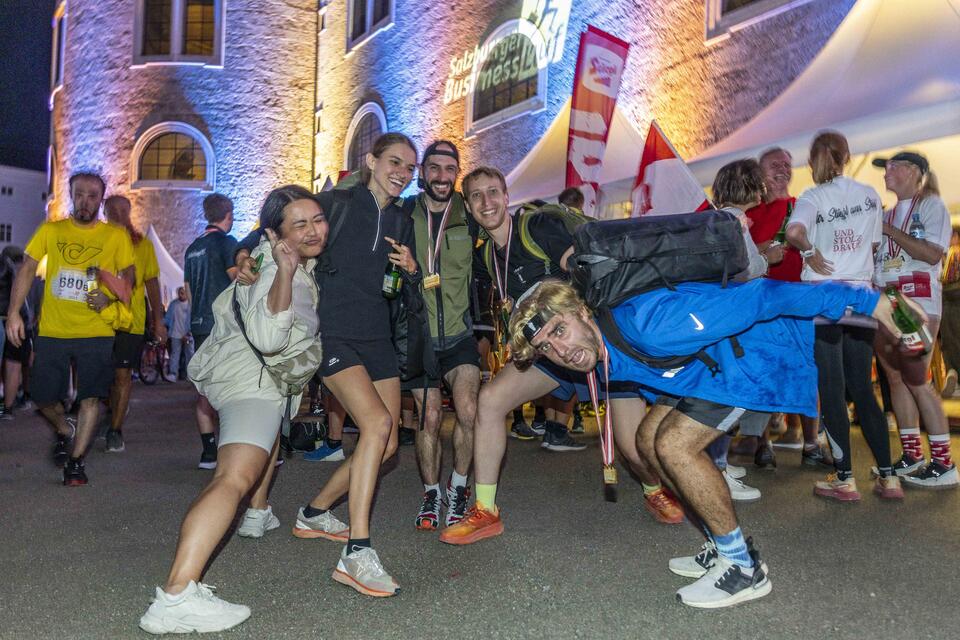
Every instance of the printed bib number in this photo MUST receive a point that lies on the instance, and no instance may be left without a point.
(70, 284)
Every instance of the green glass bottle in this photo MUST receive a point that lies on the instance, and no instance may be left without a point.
(916, 338)
(391, 281)
(781, 236)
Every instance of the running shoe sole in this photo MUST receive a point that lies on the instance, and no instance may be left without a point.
(840, 496)
(795, 446)
(744, 596)
(209, 466)
(490, 531)
(425, 524)
(312, 534)
(73, 482)
(911, 481)
(888, 494)
(158, 625)
(346, 579)
(513, 434)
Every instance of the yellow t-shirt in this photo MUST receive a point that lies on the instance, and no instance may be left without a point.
(145, 264)
(70, 249)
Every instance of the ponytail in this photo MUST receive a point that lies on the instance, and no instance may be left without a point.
(829, 153)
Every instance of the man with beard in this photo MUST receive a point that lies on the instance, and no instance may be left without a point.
(515, 272)
(444, 249)
(83, 302)
(127, 344)
(773, 326)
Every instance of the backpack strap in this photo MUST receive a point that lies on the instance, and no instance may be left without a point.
(526, 239)
(610, 330)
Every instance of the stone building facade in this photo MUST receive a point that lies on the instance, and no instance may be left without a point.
(230, 84)
(699, 79)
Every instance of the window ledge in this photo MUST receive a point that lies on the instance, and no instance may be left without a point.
(353, 45)
(529, 106)
(718, 27)
(182, 185)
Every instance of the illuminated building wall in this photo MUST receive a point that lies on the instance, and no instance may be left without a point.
(698, 91)
(255, 108)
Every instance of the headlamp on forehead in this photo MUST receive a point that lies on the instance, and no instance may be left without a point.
(532, 328)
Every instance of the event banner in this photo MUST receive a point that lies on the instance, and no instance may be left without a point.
(665, 185)
(596, 83)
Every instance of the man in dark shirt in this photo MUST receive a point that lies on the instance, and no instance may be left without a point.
(208, 270)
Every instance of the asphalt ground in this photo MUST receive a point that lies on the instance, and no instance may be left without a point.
(83, 562)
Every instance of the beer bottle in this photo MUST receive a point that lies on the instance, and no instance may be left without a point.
(90, 285)
(917, 230)
(916, 338)
(391, 281)
(781, 236)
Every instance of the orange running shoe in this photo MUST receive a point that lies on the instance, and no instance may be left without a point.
(477, 524)
(664, 507)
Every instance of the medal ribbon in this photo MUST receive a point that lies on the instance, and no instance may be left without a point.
(502, 284)
(894, 249)
(606, 431)
(433, 248)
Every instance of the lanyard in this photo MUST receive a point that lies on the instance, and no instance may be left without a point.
(894, 249)
(433, 248)
(502, 283)
(606, 431)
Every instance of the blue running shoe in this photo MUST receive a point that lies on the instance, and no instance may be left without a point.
(325, 453)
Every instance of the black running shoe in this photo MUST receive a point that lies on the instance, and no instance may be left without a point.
(61, 451)
(74, 474)
(208, 460)
(114, 441)
(406, 437)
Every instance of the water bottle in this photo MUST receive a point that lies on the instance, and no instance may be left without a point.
(917, 230)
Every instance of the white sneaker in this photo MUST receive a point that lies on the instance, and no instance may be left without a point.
(363, 571)
(725, 585)
(326, 525)
(257, 522)
(736, 472)
(739, 491)
(698, 565)
(193, 609)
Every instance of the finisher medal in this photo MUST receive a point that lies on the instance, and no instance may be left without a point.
(431, 281)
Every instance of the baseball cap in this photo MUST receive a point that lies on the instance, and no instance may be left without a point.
(915, 159)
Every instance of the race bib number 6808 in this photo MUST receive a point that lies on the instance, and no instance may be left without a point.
(70, 284)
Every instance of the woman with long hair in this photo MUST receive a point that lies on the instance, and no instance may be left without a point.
(257, 329)
(916, 237)
(836, 226)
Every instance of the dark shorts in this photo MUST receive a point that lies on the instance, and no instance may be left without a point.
(19, 354)
(376, 356)
(198, 339)
(126, 349)
(463, 352)
(93, 359)
(574, 383)
(711, 414)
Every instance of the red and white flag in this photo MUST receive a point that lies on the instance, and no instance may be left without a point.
(596, 84)
(665, 185)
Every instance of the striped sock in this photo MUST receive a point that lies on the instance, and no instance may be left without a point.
(733, 547)
(911, 443)
(940, 449)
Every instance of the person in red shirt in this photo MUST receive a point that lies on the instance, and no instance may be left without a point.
(768, 219)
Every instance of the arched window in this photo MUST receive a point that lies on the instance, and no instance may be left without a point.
(368, 124)
(510, 79)
(173, 155)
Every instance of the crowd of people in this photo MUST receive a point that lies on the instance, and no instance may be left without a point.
(383, 299)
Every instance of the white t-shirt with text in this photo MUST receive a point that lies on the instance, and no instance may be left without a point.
(916, 278)
(843, 220)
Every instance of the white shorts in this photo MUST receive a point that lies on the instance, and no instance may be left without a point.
(253, 421)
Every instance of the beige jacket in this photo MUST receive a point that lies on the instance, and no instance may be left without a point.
(225, 368)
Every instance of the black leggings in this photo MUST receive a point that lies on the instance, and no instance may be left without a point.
(844, 355)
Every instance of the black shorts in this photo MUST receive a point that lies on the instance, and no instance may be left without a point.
(198, 339)
(19, 354)
(93, 358)
(463, 352)
(711, 414)
(376, 356)
(126, 349)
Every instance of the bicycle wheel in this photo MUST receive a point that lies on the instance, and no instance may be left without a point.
(149, 370)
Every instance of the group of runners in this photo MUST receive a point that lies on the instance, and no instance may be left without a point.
(309, 298)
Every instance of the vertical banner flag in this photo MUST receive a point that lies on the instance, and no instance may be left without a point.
(596, 83)
(665, 185)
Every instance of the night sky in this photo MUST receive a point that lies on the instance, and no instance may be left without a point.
(25, 34)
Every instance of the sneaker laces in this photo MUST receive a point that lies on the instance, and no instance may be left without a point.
(660, 500)
(459, 503)
(431, 502)
(368, 563)
(706, 551)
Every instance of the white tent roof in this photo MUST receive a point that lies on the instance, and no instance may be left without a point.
(889, 76)
(171, 275)
(542, 173)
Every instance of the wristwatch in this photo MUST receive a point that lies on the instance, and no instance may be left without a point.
(809, 253)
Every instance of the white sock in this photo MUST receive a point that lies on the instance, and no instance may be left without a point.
(458, 480)
(431, 487)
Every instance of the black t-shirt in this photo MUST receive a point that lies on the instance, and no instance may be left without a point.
(205, 265)
(525, 269)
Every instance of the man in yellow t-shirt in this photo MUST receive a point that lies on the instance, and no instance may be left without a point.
(79, 313)
(127, 344)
